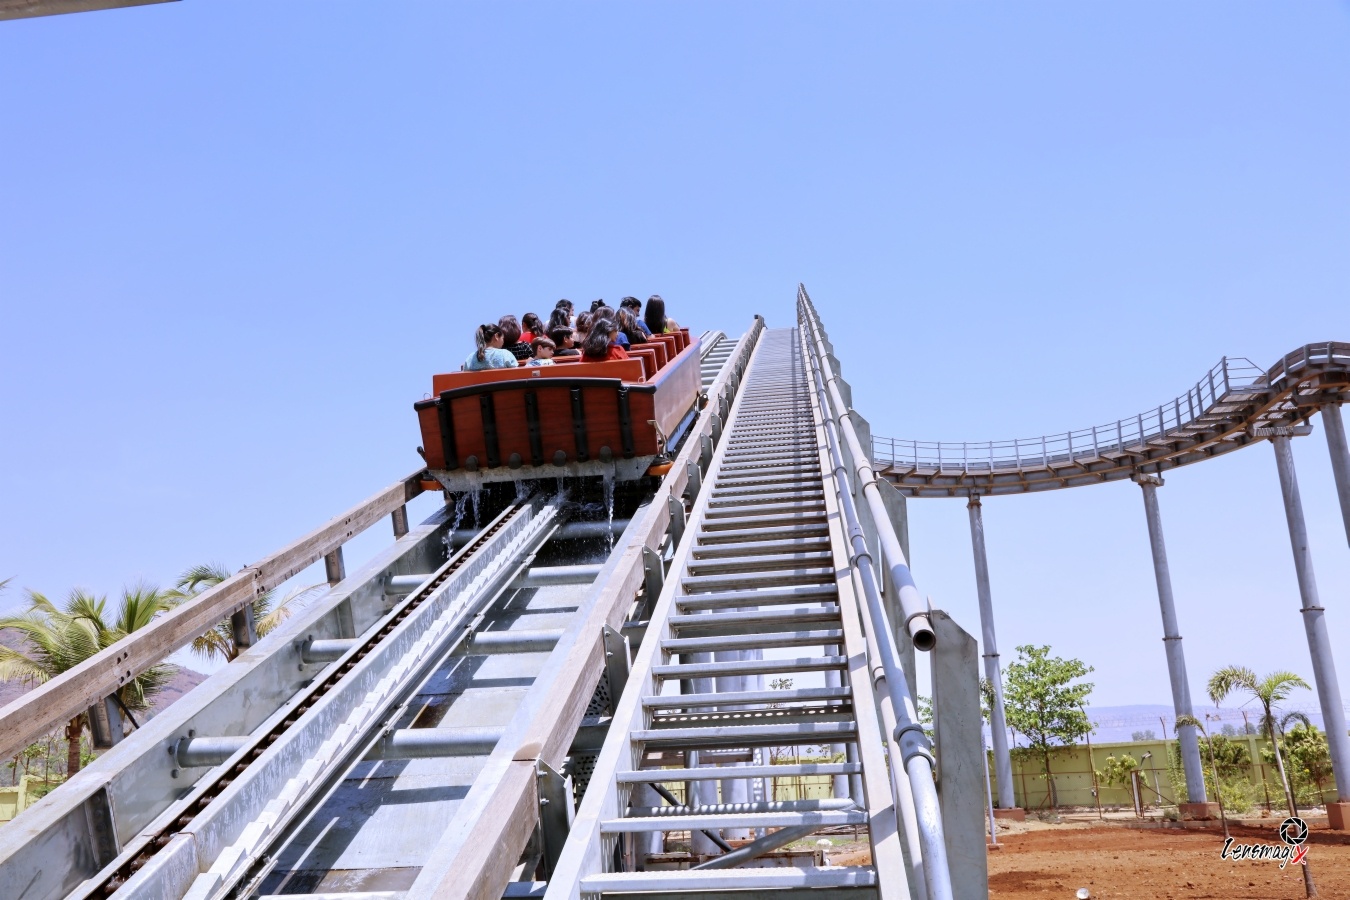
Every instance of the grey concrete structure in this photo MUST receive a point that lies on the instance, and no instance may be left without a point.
(1314, 617)
(1176, 658)
(1334, 426)
(998, 720)
(957, 731)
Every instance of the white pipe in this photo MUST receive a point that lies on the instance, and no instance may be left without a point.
(911, 603)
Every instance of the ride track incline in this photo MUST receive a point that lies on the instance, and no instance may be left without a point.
(222, 791)
(763, 589)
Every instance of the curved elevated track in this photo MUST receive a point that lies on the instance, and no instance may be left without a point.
(1234, 404)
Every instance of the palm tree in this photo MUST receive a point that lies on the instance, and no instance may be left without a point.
(268, 612)
(59, 638)
(1213, 766)
(1306, 749)
(1269, 691)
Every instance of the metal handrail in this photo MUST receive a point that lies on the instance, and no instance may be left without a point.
(916, 758)
(1329, 352)
(1229, 381)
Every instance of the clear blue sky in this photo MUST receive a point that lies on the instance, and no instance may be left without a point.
(236, 239)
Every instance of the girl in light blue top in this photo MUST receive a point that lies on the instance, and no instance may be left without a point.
(489, 354)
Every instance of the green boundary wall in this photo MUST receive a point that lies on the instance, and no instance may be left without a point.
(1073, 775)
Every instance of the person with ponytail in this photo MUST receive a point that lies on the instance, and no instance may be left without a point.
(489, 354)
(531, 327)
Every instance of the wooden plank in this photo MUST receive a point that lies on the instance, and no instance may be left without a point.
(44, 708)
(23, 9)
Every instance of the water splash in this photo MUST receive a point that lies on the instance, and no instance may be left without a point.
(607, 480)
(461, 507)
(475, 495)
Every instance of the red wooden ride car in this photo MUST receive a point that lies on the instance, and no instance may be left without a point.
(571, 418)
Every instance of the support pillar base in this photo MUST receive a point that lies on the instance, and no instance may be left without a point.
(1338, 816)
(1198, 812)
(1016, 814)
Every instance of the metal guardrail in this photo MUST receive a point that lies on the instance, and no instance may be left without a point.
(1328, 352)
(907, 744)
(1230, 378)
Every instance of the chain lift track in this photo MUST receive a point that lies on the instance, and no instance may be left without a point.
(202, 800)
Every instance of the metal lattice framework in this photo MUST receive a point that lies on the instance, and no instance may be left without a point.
(1234, 404)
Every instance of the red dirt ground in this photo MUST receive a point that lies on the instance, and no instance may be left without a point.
(1115, 863)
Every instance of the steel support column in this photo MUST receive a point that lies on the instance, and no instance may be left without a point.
(1176, 657)
(998, 722)
(1340, 458)
(1314, 622)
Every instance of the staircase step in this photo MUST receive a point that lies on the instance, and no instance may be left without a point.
(708, 773)
(825, 819)
(750, 522)
(757, 548)
(808, 593)
(768, 508)
(820, 638)
(775, 619)
(722, 668)
(815, 529)
(766, 563)
(694, 584)
(748, 881)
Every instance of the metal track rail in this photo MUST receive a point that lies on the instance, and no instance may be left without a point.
(763, 589)
(268, 780)
(207, 799)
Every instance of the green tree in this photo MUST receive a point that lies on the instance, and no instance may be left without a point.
(924, 707)
(1308, 757)
(1228, 763)
(1270, 691)
(1044, 700)
(59, 638)
(1116, 772)
(268, 611)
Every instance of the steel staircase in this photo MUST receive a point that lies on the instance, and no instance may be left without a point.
(756, 593)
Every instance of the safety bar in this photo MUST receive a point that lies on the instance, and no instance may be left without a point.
(916, 757)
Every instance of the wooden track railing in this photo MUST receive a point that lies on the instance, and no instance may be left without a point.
(59, 700)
